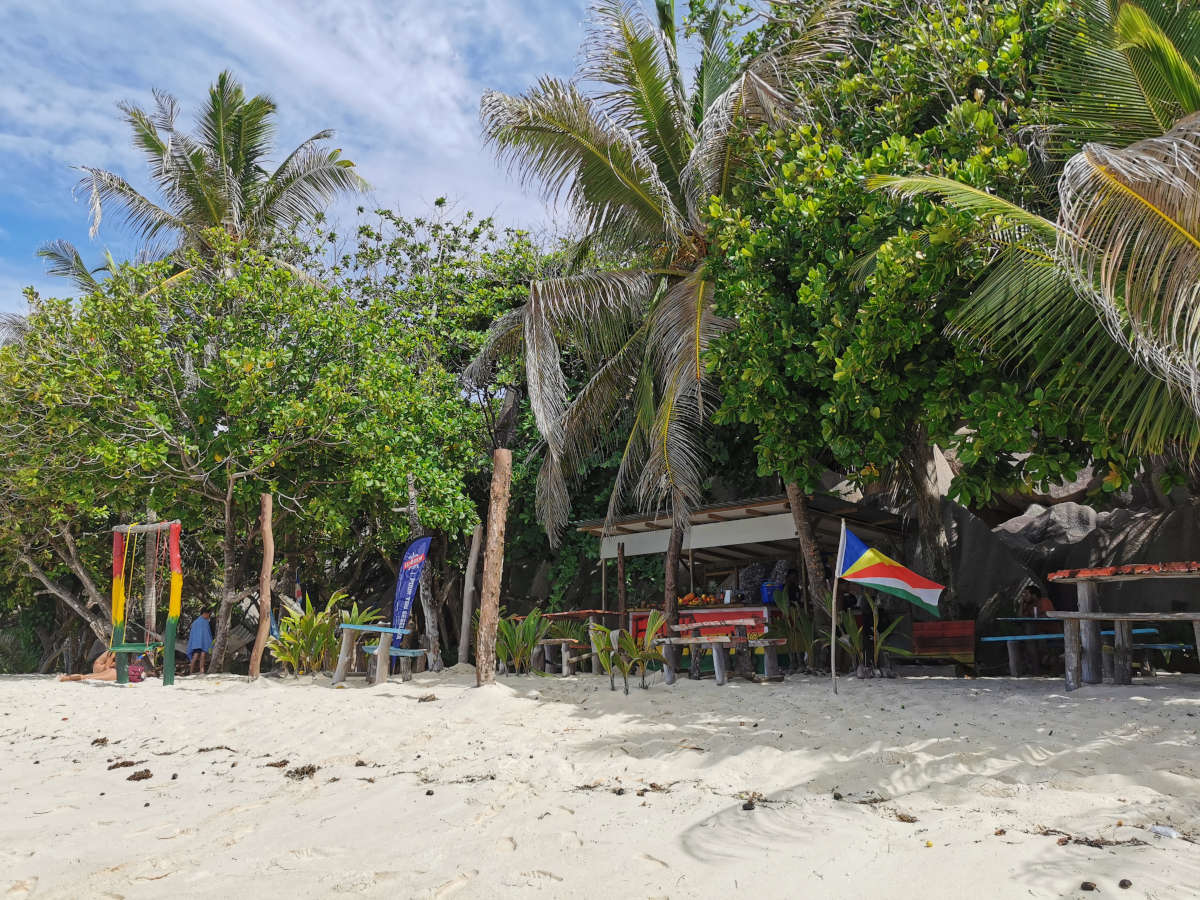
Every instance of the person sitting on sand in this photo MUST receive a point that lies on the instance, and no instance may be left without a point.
(200, 641)
(103, 669)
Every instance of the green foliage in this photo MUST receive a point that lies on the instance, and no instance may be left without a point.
(307, 638)
(881, 645)
(842, 357)
(620, 652)
(517, 637)
(804, 640)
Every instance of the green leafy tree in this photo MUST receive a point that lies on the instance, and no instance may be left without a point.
(195, 396)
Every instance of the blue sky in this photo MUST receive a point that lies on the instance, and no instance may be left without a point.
(399, 80)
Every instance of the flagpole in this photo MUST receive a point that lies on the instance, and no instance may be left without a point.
(838, 568)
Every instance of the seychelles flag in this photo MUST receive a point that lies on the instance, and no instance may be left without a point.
(858, 563)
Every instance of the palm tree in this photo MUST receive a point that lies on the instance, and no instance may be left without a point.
(1117, 274)
(215, 178)
(638, 156)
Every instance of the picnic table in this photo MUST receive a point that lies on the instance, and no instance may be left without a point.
(350, 635)
(1015, 642)
(1081, 629)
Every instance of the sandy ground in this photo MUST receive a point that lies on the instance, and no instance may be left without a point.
(546, 786)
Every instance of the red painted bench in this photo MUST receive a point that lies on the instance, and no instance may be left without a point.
(954, 640)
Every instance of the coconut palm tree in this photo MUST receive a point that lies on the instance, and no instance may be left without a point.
(637, 154)
(217, 177)
(1116, 274)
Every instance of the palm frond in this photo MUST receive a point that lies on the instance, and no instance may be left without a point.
(1137, 212)
(145, 217)
(554, 136)
(304, 185)
(1103, 83)
(633, 62)
(503, 340)
(63, 260)
(964, 197)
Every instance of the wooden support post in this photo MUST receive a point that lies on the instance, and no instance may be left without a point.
(1014, 659)
(720, 653)
(264, 584)
(343, 663)
(1122, 653)
(406, 668)
(567, 667)
(1090, 633)
(596, 670)
(691, 571)
(621, 591)
(1107, 664)
(493, 567)
(668, 669)
(383, 657)
(770, 661)
(118, 604)
(695, 657)
(745, 654)
(603, 585)
(1073, 648)
(468, 601)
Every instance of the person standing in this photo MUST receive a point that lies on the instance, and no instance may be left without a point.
(200, 641)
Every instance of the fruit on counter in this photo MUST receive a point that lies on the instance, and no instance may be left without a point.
(691, 599)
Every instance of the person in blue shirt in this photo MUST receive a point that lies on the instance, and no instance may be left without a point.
(200, 641)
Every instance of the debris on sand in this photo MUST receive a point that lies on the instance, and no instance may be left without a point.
(302, 772)
(140, 775)
(122, 764)
(278, 764)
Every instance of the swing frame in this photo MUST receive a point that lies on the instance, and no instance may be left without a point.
(121, 649)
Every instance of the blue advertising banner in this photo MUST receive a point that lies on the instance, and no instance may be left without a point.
(408, 582)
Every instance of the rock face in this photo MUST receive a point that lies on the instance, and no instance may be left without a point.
(992, 565)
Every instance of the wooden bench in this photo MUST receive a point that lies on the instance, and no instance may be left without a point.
(945, 640)
(728, 633)
(1122, 645)
(350, 635)
(1015, 669)
(566, 662)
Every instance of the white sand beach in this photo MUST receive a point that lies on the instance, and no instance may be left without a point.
(549, 787)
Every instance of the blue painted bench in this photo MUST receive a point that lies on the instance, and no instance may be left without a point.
(350, 635)
(1012, 640)
(1147, 651)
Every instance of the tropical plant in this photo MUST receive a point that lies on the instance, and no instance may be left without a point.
(307, 637)
(880, 646)
(850, 638)
(216, 177)
(605, 641)
(638, 157)
(517, 638)
(620, 652)
(647, 649)
(804, 641)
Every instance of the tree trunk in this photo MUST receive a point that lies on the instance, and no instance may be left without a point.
(468, 601)
(228, 589)
(671, 575)
(150, 600)
(818, 591)
(429, 604)
(932, 543)
(493, 567)
(264, 585)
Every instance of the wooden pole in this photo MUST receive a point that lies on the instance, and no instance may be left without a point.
(468, 602)
(1090, 634)
(176, 603)
(621, 591)
(603, 584)
(833, 636)
(493, 567)
(118, 605)
(1071, 642)
(691, 571)
(264, 585)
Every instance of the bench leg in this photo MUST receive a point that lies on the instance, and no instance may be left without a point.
(339, 674)
(668, 665)
(596, 668)
(744, 664)
(1014, 659)
(568, 667)
(1074, 653)
(383, 659)
(1122, 658)
(770, 662)
(537, 661)
(721, 662)
(406, 668)
(696, 655)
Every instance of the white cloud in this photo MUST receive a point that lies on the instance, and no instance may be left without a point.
(399, 81)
